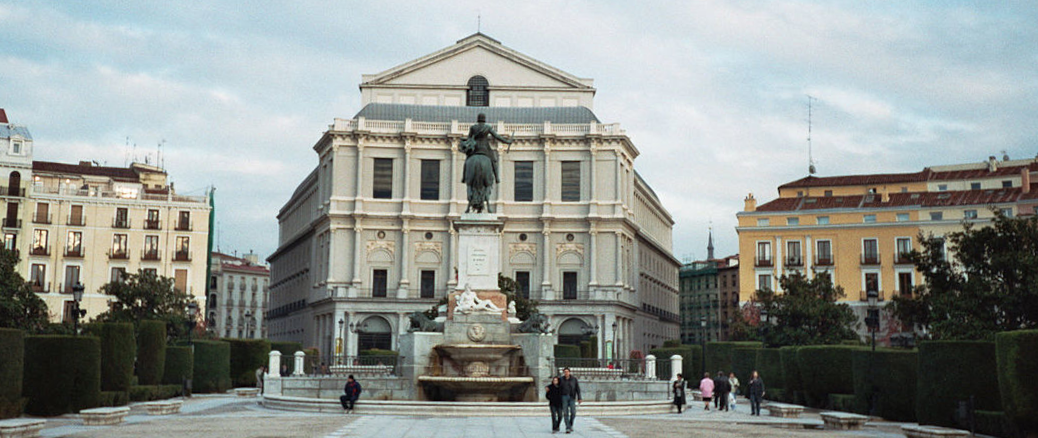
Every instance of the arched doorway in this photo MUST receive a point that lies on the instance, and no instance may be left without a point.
(377, 334)
(14, 184)
(573, 331)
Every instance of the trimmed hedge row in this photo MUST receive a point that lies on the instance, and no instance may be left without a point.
(892, 374)
(1017, 363)
(288, 353)
(65, 375)
(180, 365)
(151, 352)
(769, 366)
(744, 361)
(110, 399)
(691, 360)
(12, 344)
(212, 367)
(118, 353)
(824, 370)
(247, 355)
(718, 355)
(154, 392)
(952, 371)
(793, 388)
(566, 351)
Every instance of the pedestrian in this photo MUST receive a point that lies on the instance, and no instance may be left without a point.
(721, 390)
(352, 393)
(734, 382)
(554, 396)
(260, 372)
(678, 387)
(755, 390)
(284, 370)
(706, 390)
(570, 391)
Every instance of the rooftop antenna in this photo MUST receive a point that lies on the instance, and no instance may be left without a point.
(158, 158)
(810, 156)
(126, 157)
(479, 22)
(218, 236)
(1005, 155)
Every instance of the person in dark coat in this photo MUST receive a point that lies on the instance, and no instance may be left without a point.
(721, 390)
(678, 389)
(570, 389)
(554, 396)
(352, 393)
(755, 391)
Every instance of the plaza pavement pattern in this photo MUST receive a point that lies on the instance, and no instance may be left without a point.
(231, 417)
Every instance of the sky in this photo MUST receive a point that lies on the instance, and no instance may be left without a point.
(713, 93)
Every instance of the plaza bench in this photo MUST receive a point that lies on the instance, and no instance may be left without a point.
(843, 421)
(596, 373)
(784, 410)
(916, 431)
(361, 370)
(104, 416)
(246, 392)
(163, 407)
(21, 427)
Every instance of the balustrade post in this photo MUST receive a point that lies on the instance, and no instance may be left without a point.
(650, 367)
(298, 371)
(675, 366)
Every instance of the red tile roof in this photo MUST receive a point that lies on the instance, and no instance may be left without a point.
(3, 116)
(118, 173)
(912, 199)
(926, 174)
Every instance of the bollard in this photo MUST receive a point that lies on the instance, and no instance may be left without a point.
(650, 367)
(675, 366)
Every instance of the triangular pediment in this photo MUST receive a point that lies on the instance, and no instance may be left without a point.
(480, 55)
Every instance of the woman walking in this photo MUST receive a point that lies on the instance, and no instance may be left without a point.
(554, 396)
(756, 393)
(706, 389)
(678, 388)
(734, 382)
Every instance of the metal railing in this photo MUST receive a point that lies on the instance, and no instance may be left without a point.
(40, 250)
(41, 218)
(12, 223)
(863, 296)
(824, 261)
(184, 225)
(12, 191)
(182, 256)
(118, 255)
(150, 224)
(902, 258)
(343, 365)
(152, 255)
(763, 263)
(121, 223)
(794, 261)
(76, 221)
(870, 259)
(605, 369)
(74, 252)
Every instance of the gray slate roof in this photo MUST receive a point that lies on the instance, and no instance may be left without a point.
(6, 131)
(467, 114)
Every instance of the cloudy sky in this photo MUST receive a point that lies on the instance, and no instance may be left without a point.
(714, 94)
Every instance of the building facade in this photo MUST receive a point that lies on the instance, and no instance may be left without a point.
(367, 237)
(707, 299)
(91, 224)
(857, 229)
(238, 295)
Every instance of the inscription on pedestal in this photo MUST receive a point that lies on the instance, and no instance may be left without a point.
(478, 262)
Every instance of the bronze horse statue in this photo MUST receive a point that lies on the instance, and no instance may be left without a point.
(480, 172)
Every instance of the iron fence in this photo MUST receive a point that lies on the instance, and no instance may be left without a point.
(340, 365)
(603, 369)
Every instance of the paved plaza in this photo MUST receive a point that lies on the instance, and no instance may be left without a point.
(230, 417)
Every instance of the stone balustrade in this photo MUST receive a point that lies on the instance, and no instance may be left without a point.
(361, 370)
(163, 407)
(784, 410)
(21, 427)
(519, 130)
(595, 373)
(104, 416)
(843, 421)
(917, 431)
(246, 392)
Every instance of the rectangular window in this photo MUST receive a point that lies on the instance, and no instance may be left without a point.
(523, 181)
(150, 272)
(871, 281)
(1007, 212)
(522, 283)
(122, 218)
(74, 244)
(118, 274)
(212, 285)
(570, 181)
(793, 257)
(828, 193)
(382, 182)
(902, 217)
(975, 186)
(763, 253)
(42, 213)
(184, 221)
(969, 214)
(379, 281)
(11, 241)
(152, 222)
(763, 222)
(822, 220)
(569, 285)
(119, 249)
(904, 245)
(71, 278)
(428, 285)
(430, 180)
(824, 252)
(1007, 184)
(942, 187)
(936, 215)
(180, 280)
(904, 283)
(75, 216)
(870, 251)
(940, 246)
(151, 248)
(869, 218)
(39, 242)
(38, 277)
(764, 282)
(183, 249)
(792, 221)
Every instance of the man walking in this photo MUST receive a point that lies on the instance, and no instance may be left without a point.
(570, 389)
(721, 390)
(352, 393)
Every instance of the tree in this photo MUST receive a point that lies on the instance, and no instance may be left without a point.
(145, 295)
(20, 307)
(989, 285)
(806, 312)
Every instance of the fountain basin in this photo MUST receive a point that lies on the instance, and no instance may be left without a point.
(475, 389)
(466, 353)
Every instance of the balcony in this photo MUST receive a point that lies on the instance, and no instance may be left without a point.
(12, 191)
(182, 256)
(826, 260)
(152, 224)
(794, 261)
(902, 258)
(870, 259)
(864, 296)
(76, 252)
(39, 287)
(39, 251)
(76, 221)
(41, 218)
(763, 262)
(151, 255)
(119, 255)
(120, 223)
(184, 226)
(10, 222)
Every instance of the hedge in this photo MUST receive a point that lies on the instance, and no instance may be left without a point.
(212, 368)
(154, 392)
(12, 344)
(151, 352)
(110, 399)
(951, 371)
(691, 361)
(768, 363)
(744, 361)
(996, 423)
(312, 359)
(65, 375)
(824, 370)
(719, 354)
(288, 353)
(1017, 376)
(843, 402)
(118, 353)
(893, 374)
(180, 365)
(793, 385)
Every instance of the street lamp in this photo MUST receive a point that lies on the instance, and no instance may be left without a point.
(77, 296)
(339, 342)
(616, 348)
(763, 323)
(702, 341)
(192, 310)
(872, 322)
(358, 328)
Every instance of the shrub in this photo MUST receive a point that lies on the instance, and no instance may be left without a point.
(719, 354)
(110, 399)
(118, 352)
(288, 353)
(247, 355)
(180, 365)
(1017, 373)
(691, 358)
(794, 385)
(377, 352)
(12, 344)
(154, 392)
(768, 363)
(568, 351)
(824, 370)
(64, 375)
(952, 371)
(313, 357)
(843, 402)
(212, 368)
(744, 361)
(996, 423)
(892, 375)
(151, 352)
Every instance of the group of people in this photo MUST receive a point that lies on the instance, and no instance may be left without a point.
(563, 395)
(721, 390)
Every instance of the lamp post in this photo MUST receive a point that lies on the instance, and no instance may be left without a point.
(192, 310)
(616, 348)
(872, 322)
(702, 342)
(77, 296)
(764, 324)
(339, 343)
(356, 328)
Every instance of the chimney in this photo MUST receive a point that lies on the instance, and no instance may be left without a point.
(885, 194)
(1025, 180)
(750, 204)
(3, 116)
(992, 164)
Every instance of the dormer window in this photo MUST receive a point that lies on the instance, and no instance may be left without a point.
(16, 147)
(479, 92)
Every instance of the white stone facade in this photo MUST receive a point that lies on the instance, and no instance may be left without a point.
(594, 249)
(238, 295)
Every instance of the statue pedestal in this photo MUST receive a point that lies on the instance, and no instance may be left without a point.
(479, 251)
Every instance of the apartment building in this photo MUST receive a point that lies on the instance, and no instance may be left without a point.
(239, 288)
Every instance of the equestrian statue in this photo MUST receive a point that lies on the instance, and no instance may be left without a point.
(480, 172)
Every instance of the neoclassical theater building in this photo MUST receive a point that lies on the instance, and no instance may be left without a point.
(367, 237)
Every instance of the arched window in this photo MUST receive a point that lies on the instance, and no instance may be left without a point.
(14, 182)
(573, 331)
(479, 92)
(377, 334)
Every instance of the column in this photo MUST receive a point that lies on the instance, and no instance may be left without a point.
(619, 256)
(358, 236)
(593, 256)
(404, 255)
(274, 364)
(351, 349)
(593, 198)
(406, 207)
(455, 179)
(452, 252)
(617, 183)
(546, 274)
(547, 177)
(358, 204)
